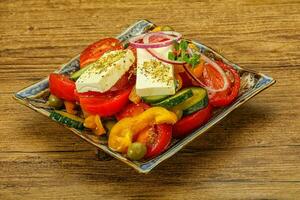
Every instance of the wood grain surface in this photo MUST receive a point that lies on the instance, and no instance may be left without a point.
(253, 154)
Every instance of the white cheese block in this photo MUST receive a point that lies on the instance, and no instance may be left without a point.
(106, 71)
(154, 77)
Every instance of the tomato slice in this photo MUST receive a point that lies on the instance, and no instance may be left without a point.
(224, 98)
(186, 80)
(191, 122)
(157, 139)
(121, 83)
(97, 49)
(62, 87)
(132, 110)
(211, 77)
(126, 80)
(104, 104)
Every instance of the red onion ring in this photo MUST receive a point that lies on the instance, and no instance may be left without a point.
(157, 55)
(171, 35)
(217, 67)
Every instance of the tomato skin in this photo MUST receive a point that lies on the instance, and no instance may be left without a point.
(191, 122)
(224, 98)
(132, 110)
(126, 80)
(186, 80)
(156, 138)
(133, 49)
(104, 104)
(212, 77)
(97, 49)
(62, 87)
(121, 83)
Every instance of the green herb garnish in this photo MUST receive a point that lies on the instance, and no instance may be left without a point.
(194, 60)
(181, 54)
(183, 45)
(171, 56)
(126, 45)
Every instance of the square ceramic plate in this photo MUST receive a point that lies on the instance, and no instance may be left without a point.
(33, 97)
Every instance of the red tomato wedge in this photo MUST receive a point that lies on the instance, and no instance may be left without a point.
(132, 110)
(157, 139)
(186, 80)
(104, 104)
(126, 80)
(191, 122)
(97, 49)
(121, 83)
(211, 77)
(214, 79)
(62, 87)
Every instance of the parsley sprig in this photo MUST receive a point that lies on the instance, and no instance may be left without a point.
(180, 54)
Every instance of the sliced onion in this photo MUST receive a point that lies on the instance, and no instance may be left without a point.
(170, 35)
(214, 65)
(161, 58)
(156, 54)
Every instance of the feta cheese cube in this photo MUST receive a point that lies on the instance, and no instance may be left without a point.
(154, 77)
(106, 71)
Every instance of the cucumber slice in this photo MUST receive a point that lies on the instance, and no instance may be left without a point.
(158, 98)
(198, 101)
(154, 99)
(78, 73)
(176, 99)
(72, 121)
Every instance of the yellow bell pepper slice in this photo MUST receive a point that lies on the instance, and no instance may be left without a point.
(121, 134)
(156, 29)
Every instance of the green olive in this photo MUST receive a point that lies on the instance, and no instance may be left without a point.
(136, 151)
(55, 102)
(167, 28)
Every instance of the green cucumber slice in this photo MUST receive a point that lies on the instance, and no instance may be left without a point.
(72, 121)
(78, 73)
(198, 101)
(154, 99)
(176, 99)
(196, 107)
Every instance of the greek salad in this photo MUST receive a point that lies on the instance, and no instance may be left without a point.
(142, 93)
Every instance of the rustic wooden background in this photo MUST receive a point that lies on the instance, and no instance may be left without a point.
(253, 154)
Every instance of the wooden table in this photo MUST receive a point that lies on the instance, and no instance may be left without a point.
(253, 154)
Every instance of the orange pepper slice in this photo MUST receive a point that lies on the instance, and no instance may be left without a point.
(89, 122)
(198, 70)
(99, 130)
(179, 81)
(70, 107)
